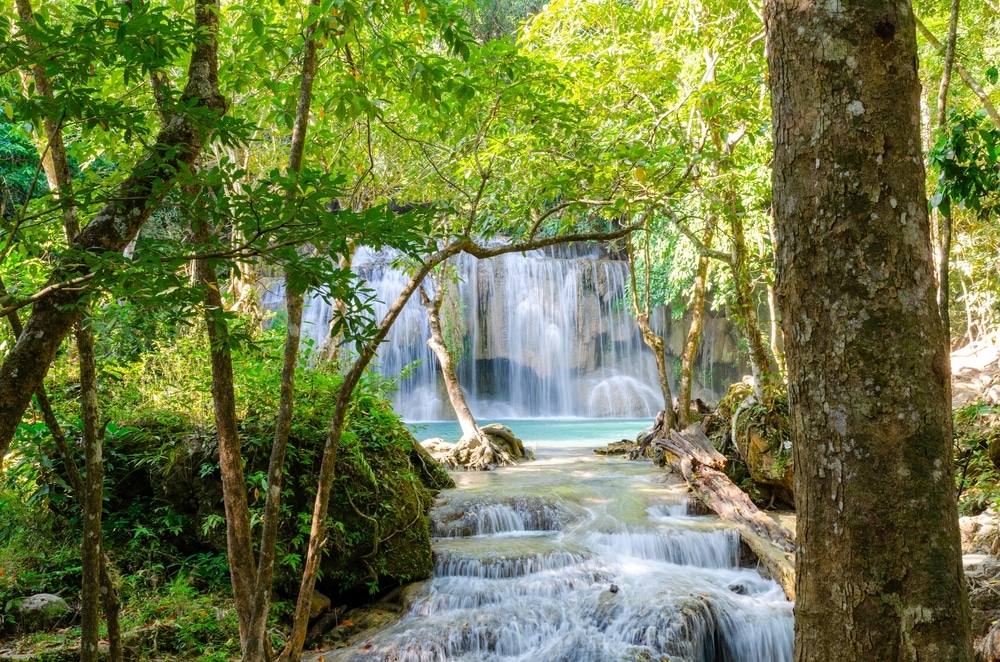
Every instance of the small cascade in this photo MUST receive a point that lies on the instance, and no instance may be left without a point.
(617, 570)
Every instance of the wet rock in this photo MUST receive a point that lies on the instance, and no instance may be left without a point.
(462, 517)
(41, 612)
(616, 448)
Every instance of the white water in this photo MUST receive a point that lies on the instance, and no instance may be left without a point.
(579, 558)
(543, 336)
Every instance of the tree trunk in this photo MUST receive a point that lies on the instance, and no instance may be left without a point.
(234, 492)
(92, 496)
(256, 647)
(640, 311)
(878, 557)
(944, 223)
(334, 336)
(437, 343)
(744, 307)
(114, 226)
(697, 309)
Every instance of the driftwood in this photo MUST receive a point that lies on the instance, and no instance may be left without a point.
(691, 455)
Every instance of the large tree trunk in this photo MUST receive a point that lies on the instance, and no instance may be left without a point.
(114, 226)
(878, 557)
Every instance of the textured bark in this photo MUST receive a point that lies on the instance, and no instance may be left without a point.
(691, 455)
(697, 309)
(878, 557)
(238, 540)
(92, 497)
(114, 226)
(256, 647)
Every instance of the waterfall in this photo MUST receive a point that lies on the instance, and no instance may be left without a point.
(540, 334)
(576, 558)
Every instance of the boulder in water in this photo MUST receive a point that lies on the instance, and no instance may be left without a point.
(495, 446)
(616, 448)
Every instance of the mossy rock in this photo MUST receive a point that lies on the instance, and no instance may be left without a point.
(757, 438)
(378, 528)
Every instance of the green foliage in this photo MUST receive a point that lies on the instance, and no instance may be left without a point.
(965, 158)
(976, 475)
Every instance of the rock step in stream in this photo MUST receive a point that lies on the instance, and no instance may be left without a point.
(577, 558)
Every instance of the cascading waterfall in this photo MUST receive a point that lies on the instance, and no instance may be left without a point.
(542, 335)
(612, 569)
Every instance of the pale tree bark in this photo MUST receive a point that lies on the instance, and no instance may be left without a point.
(234, 492)
(55, 311)
(438, 344)
(641, 309)
(697, 310)
(879, 571)
(317, 533)
(257, 648)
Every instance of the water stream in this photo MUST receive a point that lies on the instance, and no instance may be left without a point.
(577, 557)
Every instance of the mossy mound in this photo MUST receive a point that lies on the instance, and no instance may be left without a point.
(168, 480)
(757, 440)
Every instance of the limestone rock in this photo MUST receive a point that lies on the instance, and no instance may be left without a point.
(616, 448)
(497, 446)
(41, 611)
(979, 533)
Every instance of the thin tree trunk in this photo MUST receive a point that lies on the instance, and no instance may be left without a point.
(438, 344)
(944, 223)
(257, 648)
(57, 172)
(641, 311)
(963, 73)
(745, 308)
(697, 309)
(334, 336)
(238, 539)
(93, 495)
(109, 593)
(868, 368)
(114, 226)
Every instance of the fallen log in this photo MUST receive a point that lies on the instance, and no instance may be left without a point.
(691, 455)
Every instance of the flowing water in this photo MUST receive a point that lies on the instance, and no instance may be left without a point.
(577, 557)
(542, 334)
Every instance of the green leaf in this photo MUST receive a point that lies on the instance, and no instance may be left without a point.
(257, 26)
(992, 75)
